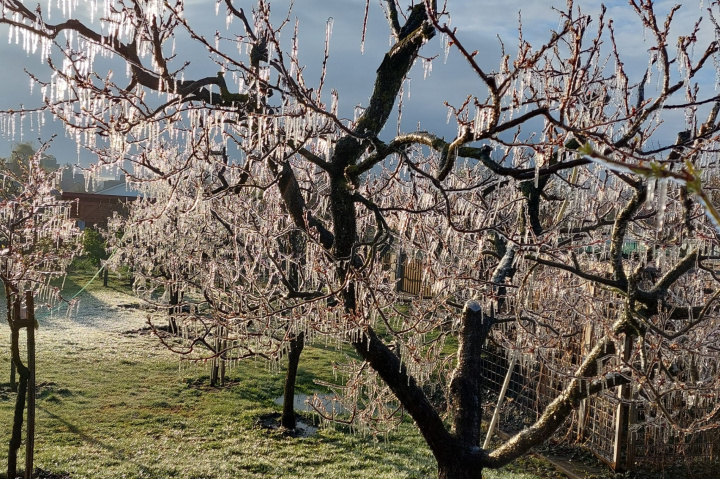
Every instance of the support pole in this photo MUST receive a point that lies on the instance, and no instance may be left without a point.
(30, 441)
(503, 390)
(620, 460)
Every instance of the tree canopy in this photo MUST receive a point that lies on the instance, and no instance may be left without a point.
(561, 207)
(38, 240)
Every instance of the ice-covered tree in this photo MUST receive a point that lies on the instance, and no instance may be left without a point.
(520, 222)
(38, 240)
(218, 264)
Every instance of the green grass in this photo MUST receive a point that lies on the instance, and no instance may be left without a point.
(125, 418)
(114, 405)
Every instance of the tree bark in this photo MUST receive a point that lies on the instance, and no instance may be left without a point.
(455, 469)
(288, 418)
(442, 444)
(13, 372)
(464, 398)
(16, 438)
(216, 374)
(24, 373)
(344, 178)
(173, 310)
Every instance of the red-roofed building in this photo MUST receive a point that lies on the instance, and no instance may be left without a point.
(94, 209)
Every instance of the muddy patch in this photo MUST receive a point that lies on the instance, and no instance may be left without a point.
(271, 422)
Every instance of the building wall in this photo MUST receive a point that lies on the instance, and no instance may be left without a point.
(94, 210)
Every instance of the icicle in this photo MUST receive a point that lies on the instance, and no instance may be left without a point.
(650, 192)
(662, 203)
(445, 43)
(427, 67)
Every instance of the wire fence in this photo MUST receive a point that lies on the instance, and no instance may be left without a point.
(625, 433)
(625, 441)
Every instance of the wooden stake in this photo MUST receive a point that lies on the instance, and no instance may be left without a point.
(30, 441)
(503, 390)
(620, 456)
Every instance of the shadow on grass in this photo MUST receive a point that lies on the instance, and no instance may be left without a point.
(117, 454)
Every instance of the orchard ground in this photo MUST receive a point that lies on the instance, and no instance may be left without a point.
(113, 403)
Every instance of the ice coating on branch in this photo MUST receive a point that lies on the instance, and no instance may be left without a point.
(662, 193)
(209, 171)
(38, 236)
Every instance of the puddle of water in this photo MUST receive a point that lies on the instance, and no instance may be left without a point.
(302, 403)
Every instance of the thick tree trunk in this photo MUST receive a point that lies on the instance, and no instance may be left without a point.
(16, 438)
(172, 326)
(173, 310)
(464, 395)
(344, 179)
(288, 419)
(214, 373)
(24, 373)
(217, 372)
(443, 445)
(13, 371)
(454, 469)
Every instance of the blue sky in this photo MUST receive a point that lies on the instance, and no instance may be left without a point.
(350, 72)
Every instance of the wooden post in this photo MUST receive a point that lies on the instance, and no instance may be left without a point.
(215, 363)
(400, 271)
(582, 420)
(30, 441)
(620, 457)
(223, 346)
(632, 419)
(16, 437)
(503, 390)
(584, 404)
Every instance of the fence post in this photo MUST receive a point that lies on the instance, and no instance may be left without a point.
(621, 458)
(30, 328)
(583, 410)
(503, 390)
(400, 271)
(632, 419)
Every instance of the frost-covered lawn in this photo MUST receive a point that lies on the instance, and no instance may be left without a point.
(113, 403)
